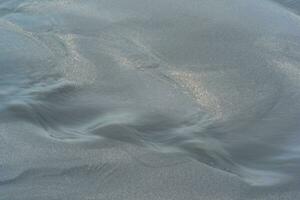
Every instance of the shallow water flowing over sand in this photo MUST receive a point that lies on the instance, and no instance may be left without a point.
(160, 99)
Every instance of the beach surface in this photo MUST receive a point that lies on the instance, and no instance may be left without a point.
(149, 100)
